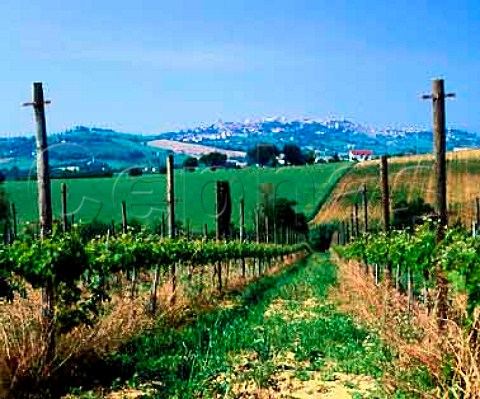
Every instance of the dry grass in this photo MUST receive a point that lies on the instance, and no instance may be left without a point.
(22, 349)
(413, 177)
(451, 156)
(413, 332)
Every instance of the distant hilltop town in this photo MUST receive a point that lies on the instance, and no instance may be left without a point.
(95, 151)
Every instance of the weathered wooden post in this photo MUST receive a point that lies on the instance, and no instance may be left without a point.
(205, 231)
(438, 99)
(355, 227)
(64, 208)
(43, 171)
(385, 189)
(170, 200)
(124, 218)
(171, 197)
(45, 208)
(385, 193)
(224, 209)
(164, 226)
(477, 216)
(223, 218)
(352, 222)
(275, 235)
(171, 217)
(242, 233)
(257, 224)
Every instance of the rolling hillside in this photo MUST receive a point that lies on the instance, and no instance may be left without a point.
(409, 177)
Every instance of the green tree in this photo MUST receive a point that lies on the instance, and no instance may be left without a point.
(213, 159)
(190, 162)
(263, 154)
(293, 154)
(310, 157)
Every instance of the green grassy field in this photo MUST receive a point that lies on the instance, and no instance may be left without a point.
(100, 198)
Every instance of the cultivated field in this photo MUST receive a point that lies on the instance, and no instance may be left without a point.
(100, 198)
(195, 150)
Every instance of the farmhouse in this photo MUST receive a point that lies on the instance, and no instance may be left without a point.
(360, 155)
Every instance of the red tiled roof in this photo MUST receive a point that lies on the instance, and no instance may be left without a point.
(361, 152)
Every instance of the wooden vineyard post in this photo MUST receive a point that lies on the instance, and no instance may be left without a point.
(45, 209)
(223, 217)
(275, 237)
(365, 208)
(476, 223)
(205, 231)
(385, 193)
(242, 233)
(385, 204)
(133, 277)
(438, 99)
(43, 171)
(124, 218)
(223, 210)
(257, 224)
(171, 197)
(163, 227)
(64, 208)
(356, 224)
(170, 200)
(477, 210)
(171, 217)
(410, 289)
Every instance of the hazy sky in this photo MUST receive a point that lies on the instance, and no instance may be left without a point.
(154, 65)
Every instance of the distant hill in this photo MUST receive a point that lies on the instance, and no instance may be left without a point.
(332, 136)
(93, 149)
(81, 149)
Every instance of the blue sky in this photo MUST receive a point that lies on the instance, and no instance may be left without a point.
(154, 65)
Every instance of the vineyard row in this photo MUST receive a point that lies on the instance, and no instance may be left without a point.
(412, 258)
